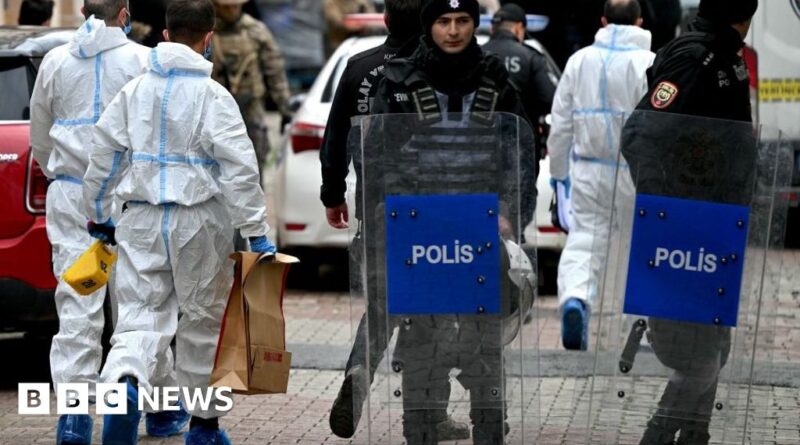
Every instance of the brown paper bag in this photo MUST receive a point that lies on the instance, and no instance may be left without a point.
(251, 352)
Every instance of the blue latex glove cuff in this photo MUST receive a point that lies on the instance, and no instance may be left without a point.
(105, 232)
(565, 182)
(262, 244)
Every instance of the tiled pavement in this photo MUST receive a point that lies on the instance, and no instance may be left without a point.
(555, 406)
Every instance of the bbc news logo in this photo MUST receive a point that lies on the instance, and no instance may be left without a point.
(111, 398)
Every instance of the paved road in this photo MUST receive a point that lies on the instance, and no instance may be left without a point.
(555, 405)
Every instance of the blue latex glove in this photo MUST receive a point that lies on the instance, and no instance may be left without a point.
(262, 244)
(103, 231)
(566, 182)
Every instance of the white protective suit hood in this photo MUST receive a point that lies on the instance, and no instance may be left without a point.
(94, 37)
(623, 37)
(170, 58)
(175, 136)
(74, 84)
(600, 87)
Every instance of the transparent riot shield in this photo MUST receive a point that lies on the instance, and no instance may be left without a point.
(684, 304)
(440, 285)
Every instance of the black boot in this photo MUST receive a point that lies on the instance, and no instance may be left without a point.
(419, 427)
(694, 433)
(488, 428)
(660, 431)
(347, 407)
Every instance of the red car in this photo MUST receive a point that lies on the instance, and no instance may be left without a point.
(26, 271)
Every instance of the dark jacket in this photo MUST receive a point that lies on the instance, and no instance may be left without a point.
(701, 73)
(353, 98)
(697, 139)
(528, 72)
(485, 80)
(661, 17)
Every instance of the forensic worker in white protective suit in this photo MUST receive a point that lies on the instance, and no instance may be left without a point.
(74, 85)
(173, 146)
(600, 87)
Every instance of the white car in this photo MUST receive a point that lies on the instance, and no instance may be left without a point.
(300, 214)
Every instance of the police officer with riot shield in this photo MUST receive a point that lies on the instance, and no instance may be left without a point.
(701, 74)
(440, 146)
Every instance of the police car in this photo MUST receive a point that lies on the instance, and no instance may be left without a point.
(300, 215)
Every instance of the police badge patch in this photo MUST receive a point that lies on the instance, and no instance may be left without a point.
(664, 95)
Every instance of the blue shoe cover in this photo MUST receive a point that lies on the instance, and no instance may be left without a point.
(575, 325)
(166, 423)
(74, 429)
(123, 429)
(199, 435)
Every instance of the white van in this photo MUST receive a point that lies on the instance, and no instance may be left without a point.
(775, 38)
(773, 56)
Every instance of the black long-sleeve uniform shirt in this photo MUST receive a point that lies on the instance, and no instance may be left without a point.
(700, 143)
(530, 75)
(701, 73)
(527, 71)
(353, 98)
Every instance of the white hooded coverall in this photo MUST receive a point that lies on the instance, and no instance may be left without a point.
(174, 147)
(600, 87)
(74, 84)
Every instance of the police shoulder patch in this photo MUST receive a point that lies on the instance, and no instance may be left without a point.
(664, 94)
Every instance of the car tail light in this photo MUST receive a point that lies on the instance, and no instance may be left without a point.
(548, 229)
(36, 187)
(306, 136)
(370, 20)
(296, 227)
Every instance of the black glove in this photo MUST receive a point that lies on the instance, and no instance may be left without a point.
(103, 231)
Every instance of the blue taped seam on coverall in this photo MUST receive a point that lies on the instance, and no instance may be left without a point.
(98, 65)
(98, 202)
(68, 178)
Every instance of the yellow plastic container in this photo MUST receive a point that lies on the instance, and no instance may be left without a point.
(90, 272)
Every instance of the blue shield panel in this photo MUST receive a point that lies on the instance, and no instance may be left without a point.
(442, 255)
(686, 260)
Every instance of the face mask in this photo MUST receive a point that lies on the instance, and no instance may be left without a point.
(127, 28)
(207, 52)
